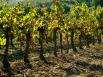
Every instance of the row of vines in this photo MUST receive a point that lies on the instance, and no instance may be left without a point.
(43, 21)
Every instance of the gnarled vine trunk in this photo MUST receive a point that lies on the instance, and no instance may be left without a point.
(55, 41)
(6, 63)
(80, 42)
(72, 40)
(87, 37)
(67, 42)
(28, 39)
(93, 40)
(11, 40)
(61, 42)
(0, 46)
(41, 41)
(46, 37)
(99, 38)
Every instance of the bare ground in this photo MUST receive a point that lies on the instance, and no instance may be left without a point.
(84, 63)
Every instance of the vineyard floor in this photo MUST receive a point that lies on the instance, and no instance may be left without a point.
(84, 63)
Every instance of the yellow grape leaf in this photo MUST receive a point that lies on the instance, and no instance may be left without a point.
(55, 23)
(14, 20)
